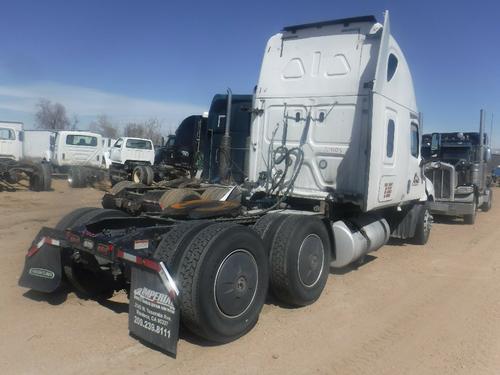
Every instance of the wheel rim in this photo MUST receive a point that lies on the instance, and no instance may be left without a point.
(236, 283)
(311, 260)
(136, 177)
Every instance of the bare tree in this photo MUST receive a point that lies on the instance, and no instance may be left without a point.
(150, 129)
(74, 122)
(104, 126)
(51, 115)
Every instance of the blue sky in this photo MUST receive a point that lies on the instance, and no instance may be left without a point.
(165, 59)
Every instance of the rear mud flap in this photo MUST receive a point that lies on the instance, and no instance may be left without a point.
(42, 268)
(154, 314)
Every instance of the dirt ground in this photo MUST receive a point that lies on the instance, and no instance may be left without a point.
(407, 310)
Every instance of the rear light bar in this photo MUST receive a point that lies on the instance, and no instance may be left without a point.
(43, 241)
(105, 249)
(151, 264)
(71, 237)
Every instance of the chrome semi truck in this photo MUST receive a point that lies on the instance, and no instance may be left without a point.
(334, 170)
(456, 163)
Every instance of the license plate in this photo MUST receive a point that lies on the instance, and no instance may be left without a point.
(88, 244)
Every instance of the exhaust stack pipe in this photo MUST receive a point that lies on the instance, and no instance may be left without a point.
(225, 146)
(481, 146)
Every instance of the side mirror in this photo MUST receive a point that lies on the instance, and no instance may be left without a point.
(21, 136)
(435, 143)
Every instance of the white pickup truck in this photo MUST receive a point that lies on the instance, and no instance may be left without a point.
(132, 159)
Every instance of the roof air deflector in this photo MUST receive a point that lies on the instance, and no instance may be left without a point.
(345, 21)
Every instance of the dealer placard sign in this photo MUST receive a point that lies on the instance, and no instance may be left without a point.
(153, 314)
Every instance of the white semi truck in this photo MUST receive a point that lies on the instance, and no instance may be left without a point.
(80, 155)
(334, 172)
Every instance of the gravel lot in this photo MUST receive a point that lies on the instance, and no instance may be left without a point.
(407, 310)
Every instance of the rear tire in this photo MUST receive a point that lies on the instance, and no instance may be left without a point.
(47, 176)
(143, 174)
(223, 278)
(88, 281)
(150, 174)
(173, 244)
(37, 180)
(76, 177)
(300, 260)
(266, 228)
(68, 220)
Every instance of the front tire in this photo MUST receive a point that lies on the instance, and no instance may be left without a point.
(485, 207)
(424, 225)
(471, 218)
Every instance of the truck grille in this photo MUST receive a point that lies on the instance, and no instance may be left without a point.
(441, 179)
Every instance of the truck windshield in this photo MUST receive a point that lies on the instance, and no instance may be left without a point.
(456, 153)
(7, 134)
(171, 141)
(81, 140)
(139, 143)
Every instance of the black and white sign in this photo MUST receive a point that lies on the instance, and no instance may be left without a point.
(153, 315)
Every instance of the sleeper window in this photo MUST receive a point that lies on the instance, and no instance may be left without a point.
(390, 139)
(414, 140)
(392, 65)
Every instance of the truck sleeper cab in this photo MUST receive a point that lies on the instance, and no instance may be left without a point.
(334, 171)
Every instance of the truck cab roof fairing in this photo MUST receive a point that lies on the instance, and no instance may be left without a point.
(342, 21)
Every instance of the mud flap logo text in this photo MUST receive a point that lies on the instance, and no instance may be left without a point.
(41, 272)
(146, 295)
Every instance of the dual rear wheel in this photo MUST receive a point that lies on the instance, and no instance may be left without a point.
(222, 272)
(299, 256)
(223, 269)
(143, 174)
